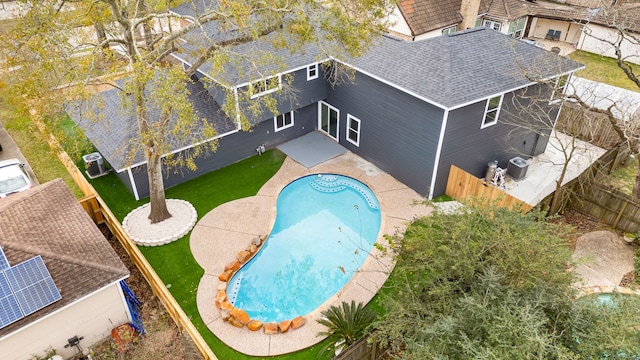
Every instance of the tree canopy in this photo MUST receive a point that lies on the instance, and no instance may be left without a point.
(487, 283)
(58, 45)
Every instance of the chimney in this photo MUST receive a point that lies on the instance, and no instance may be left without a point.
(469, 11)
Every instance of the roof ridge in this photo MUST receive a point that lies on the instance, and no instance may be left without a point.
(506, 9)
(66, 258)
(446, 68)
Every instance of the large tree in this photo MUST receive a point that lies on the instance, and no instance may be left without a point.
(58, 43)
(483, 283)
(490, 283)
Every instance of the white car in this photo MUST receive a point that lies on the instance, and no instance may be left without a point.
(13, 178)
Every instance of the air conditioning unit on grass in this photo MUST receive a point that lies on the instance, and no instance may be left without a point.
(94, 165)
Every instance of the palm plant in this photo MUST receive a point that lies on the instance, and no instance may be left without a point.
(346, 323)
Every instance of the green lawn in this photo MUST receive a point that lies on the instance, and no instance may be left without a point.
(623, 177)
(173, 262)
(602, 69)
(36, 150)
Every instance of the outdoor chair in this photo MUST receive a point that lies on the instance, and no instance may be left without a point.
(550, 34)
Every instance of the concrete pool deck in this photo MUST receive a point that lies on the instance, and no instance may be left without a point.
(229, 228)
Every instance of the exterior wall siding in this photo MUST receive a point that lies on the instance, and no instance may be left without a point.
(235, 147)
(303, 93)
(471, 148)
(92, 317)
(399, 133)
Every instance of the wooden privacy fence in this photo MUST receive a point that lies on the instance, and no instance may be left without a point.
(100, 213)
(463, 186)
(604, 203)
(609, 206)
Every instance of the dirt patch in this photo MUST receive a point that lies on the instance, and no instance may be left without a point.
(604, 258)
(582, 224)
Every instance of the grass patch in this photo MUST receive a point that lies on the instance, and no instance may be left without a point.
(174, 262)
(442, 198)
(624, 177)
(602, 69)
(36, 150)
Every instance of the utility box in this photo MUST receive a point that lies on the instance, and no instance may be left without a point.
(94, 165)
(517, 168)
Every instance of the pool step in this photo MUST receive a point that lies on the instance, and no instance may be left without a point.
(333, 184)
(232, 292)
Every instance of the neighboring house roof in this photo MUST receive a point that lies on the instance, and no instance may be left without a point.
(112, 126)
(47, 220)
(426, 15)
(423, 16)
(462, 67)
(506, 9)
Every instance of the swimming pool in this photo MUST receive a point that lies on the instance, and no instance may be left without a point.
(326, 226)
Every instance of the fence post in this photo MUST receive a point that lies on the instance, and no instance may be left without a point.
(624, 207)
(374, 350)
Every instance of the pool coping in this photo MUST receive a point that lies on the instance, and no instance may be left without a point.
(229, 228)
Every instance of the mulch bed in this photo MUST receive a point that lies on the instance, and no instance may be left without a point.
(162, 338)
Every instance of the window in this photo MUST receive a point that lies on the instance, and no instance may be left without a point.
(283, 121)
(353, 130)
(492, 24)
(312, 72)
(478, 22)
(516, 27)
(491, 112)
(265, 86)
(559, 86)
(449, 30)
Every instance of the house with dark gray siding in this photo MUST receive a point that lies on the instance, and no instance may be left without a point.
(411, 108)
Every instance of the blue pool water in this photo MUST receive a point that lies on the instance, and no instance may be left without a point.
(326, 226)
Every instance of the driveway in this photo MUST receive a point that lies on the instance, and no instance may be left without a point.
(626, 103)
(10, 151)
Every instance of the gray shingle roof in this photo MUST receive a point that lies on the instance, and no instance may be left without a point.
(112, 127)
(238, 70)
(455, 69)
(48, 221)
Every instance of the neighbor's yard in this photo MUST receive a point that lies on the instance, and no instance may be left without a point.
(602, 69)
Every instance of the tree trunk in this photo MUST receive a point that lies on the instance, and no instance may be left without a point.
(101, 34)
(557, 196)
(159, 211)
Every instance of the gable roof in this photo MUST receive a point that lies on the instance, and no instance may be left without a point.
(78, 257)
(462, 67)
(506, 9)
(423, 16)
(112, 126)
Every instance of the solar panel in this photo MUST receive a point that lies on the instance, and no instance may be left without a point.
(32, 285)
(4, 263)
(9, 309)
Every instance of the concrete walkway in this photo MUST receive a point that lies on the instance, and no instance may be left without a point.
(229, 228)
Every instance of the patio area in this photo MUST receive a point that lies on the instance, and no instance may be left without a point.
(545, 168)
(230, 228)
